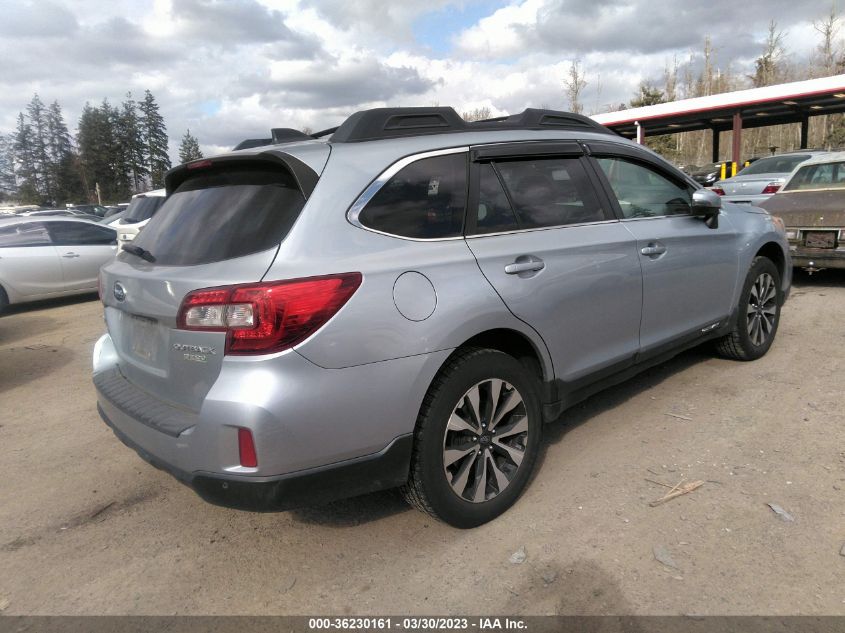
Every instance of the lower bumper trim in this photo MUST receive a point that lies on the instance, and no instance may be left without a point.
(379, 471)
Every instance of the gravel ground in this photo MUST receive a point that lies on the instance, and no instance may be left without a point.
(86, 527)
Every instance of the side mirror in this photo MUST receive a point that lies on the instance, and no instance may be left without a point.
(707, 204)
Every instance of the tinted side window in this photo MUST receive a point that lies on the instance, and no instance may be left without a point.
(426, 199)
(24, 234)
(550, 192)
(79, 234)
(494, 209)
(642, 192)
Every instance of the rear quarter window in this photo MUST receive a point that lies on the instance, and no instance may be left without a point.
(223, 212)
(425, 200)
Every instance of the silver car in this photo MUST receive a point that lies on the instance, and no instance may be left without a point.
(406, 301)
(52, 256)
(762, 178)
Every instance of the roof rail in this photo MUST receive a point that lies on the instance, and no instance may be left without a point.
(385, 123)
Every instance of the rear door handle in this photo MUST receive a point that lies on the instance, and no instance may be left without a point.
(525, 265)
(70, 255)
(653, 249)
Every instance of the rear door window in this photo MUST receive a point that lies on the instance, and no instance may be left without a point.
(223, 212)
(550, 192)
(425, 200)
(79, 234)
(24, 234)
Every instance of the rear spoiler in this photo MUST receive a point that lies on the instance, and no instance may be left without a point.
(306, 178)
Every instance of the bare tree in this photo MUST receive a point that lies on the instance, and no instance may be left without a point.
(828, 54)
(477, 114)
(575, 83)
(769, 66)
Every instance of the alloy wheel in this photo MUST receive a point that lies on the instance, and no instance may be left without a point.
(762, 309)
(485, 440)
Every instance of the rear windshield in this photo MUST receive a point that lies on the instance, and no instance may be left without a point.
(774, 165)
(141, 209)
(223, 213)
(818, 176)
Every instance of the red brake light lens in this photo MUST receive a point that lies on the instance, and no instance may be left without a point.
(772, 187)
(718, 191)
(246, 448)
(268, 317)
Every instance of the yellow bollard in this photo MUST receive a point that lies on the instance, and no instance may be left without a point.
(723, 168)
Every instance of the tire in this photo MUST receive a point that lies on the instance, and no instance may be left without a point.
(453, 453)
(756, 321)
(4, 300)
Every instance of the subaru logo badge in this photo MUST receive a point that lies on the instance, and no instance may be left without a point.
(119, 291)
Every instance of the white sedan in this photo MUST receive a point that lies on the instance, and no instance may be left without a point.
(53, 256)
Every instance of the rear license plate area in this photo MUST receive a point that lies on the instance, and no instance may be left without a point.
(820, 239)
(142, 340)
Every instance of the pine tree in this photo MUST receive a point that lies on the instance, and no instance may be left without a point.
(130, 138)
(8, 184)
(154, 134)
(119, 185)
(63, 165)
(25, 167)
(95, 139)
(37, 115)
(189, 149)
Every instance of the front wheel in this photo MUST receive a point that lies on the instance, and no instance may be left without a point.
(477, 438)
(758, 313)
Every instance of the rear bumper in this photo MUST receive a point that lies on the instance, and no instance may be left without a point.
(320, 434)
(380, 471)
(753, 200)
(817, 258)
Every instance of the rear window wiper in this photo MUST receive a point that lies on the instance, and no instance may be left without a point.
(143, 253)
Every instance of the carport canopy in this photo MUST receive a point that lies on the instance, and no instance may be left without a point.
(793, 102)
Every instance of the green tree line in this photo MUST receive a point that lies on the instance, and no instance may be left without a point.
(118, 150)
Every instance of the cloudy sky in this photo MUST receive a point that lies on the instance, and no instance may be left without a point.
(231, 69)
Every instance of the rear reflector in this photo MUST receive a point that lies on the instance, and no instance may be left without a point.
(268, 317)
(246, 448)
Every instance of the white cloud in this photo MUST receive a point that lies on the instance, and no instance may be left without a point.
(231, 69)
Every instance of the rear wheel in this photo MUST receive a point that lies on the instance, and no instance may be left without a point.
(477, 438)
(758, 314)
(4, 300)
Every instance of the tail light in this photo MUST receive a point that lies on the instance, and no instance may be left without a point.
(718, 191)
(263, 318)
(772, 187)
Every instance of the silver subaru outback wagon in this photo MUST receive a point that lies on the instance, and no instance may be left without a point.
(404, 300)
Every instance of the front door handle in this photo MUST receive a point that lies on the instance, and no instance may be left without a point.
(70, 255)
(653, 249)
(525, 265)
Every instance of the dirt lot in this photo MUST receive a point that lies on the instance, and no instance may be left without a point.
(87, 528)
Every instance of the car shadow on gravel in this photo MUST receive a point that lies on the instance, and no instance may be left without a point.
(615, 396)
(20, 365)
(20, 308)
(802, 281)
(354, 511)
